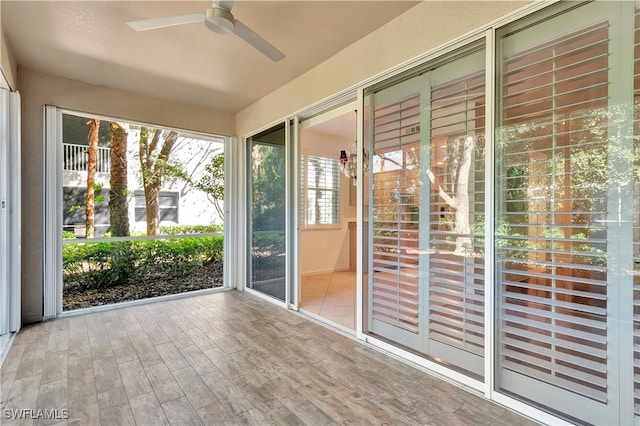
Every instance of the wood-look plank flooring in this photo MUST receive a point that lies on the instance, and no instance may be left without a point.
(222, 358)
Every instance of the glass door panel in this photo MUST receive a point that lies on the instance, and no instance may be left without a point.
(563, 223)
(426, 287)
(267, 212)
(327, 217)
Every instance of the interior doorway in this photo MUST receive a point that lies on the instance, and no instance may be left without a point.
(327, 200)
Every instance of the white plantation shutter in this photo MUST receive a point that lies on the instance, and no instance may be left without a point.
(396, 140)
(420, 128)
(320, 200)
(456, 291)
(551, 240)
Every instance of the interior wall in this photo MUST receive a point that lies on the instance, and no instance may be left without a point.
(40, 89)
(8, 65)
(422, 28)
(326, 249)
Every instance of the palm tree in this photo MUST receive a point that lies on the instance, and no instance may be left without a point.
(92, 165)
(118, 206)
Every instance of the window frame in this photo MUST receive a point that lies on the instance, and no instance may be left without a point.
(175, 195)
(305, 187)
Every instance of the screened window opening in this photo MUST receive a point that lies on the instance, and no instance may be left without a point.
(321, 181)
(142, 210)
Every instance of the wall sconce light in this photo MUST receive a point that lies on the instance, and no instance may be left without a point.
(349, 160)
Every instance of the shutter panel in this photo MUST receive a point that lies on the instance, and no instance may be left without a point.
(396, 183)
(322, 189)
(551, 240)
(456, 264)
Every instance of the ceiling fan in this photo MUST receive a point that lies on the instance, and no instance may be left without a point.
(219, 19)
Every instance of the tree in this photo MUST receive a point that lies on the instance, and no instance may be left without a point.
(212, 183)
(268, 186)
(92, 165)
(154, 166)
(461, 157)
(118, 206)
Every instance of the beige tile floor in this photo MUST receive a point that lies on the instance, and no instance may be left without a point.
(218, 359)
(331, 295)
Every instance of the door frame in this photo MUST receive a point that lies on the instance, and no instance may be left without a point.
(10, 217)
(301, 122)
(245, 206)
(52, 217)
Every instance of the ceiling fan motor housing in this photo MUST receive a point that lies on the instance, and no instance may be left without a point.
(219, 20)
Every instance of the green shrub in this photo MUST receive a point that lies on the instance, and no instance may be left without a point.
(191, 229)
(98, 265)
(68, 235)
(269, 243)
(108, 264)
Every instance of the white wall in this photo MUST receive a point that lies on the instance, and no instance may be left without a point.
(422, 28)
(326, 249)
(8, 65)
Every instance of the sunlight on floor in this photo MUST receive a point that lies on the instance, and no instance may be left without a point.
(331, 295)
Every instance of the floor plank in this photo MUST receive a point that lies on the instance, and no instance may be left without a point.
(223, 358)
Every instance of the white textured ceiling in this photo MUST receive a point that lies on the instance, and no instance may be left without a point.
(90, 41)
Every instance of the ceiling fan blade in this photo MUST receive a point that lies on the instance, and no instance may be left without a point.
(166, 21)
(248, 35)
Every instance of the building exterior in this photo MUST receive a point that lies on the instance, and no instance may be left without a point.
(180, 202)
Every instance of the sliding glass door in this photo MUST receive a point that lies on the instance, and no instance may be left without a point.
(565, 211)
(426, 282)
(267, 212)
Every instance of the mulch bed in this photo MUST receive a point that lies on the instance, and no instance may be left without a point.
(208, 276)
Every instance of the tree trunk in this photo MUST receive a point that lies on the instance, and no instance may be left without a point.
(92, 165)
(153, 166)
(118, 205)
(464, 243)
(460, 199)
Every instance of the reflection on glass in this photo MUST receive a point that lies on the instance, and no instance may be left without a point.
(564, 159)
(268, 204)
(427, 279)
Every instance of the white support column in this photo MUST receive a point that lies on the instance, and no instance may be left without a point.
(15, 222)
(489, 217)
(5, 204)
(360, 255)
(230, 213)
(294, 218)
(52, 184)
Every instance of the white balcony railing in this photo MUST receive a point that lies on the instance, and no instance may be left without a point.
(75, 158)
